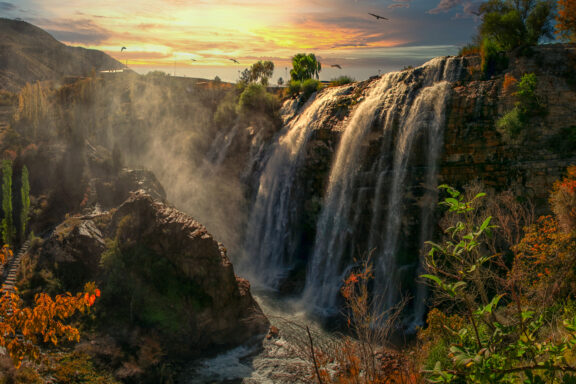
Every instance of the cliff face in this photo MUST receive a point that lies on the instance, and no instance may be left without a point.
(532, 161)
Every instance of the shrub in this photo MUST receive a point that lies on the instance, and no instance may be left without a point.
(526, 106)
(511, 124)
(526, 94)
(496, 344)
(493, 61)
(563, 200)
(469, 50)
(509, 82)
(294, 87)
(310, 86)
(255, 98)
(342, 80)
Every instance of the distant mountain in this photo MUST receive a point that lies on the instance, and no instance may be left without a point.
(29, 54)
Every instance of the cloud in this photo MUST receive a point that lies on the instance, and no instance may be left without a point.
(445, 6)
(469, 8)
(7, 7)
(399, 5)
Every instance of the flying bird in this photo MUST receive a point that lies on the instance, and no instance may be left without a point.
(123, 48)
(378, 16)
(234, 60)
(336, 66)
(193, 59)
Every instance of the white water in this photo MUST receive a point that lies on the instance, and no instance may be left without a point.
(405, 104)
(269, 247)
(276, 361)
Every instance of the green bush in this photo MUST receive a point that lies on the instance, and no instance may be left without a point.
(310, 86)
(255, 98)
(511, 123)
(526, 94)
(527, 105)
(342, 80)
(493, 61)
(294, 87)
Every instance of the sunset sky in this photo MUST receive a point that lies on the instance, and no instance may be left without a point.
(169, 34)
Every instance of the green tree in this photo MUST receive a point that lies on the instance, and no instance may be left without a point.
(493, 343)
(516, 23)
(7, 221)
(261, 71)
(305, 66)
(25, 194)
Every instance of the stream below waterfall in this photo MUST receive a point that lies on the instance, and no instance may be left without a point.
(277, 360)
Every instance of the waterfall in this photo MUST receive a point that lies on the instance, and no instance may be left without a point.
(364, 202)
(269, 247)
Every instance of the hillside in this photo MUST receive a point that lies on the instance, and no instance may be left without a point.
(29, 54)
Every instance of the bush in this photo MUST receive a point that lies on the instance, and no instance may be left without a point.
(511, 124)
(294, 87)
(492, 60)
(469, 50)
(527, 105)
(498, 343)
(526, 94)
(310, 86)
(342, 80)
(563, 200)
(255, 98)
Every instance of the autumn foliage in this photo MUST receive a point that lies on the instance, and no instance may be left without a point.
(365, 357)
(545, 262)
(563, 200)
(566, 19)
(5, 254)
(509, 82)
(23, 329)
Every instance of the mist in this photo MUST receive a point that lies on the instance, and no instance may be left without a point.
(181, 131)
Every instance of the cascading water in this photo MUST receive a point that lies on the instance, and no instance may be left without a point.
(269, 246)
(406, 105)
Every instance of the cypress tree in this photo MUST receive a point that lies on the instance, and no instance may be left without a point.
(25, 193)
(7, 221)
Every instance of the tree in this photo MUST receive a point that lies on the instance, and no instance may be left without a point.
(280, 82)
(260, 71)
(516, 23)
(566, 20)
(23, 328)
(7, 221)
(25, 194)
(305, 66)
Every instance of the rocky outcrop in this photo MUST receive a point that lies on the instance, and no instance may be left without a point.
(165, 282)
(232, 317)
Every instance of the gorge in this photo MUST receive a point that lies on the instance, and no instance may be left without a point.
(298, 190)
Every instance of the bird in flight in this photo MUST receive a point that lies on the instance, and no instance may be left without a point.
(336, 66)
(378, 16)
(193, 59)
(234, 60)
(123, 48)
